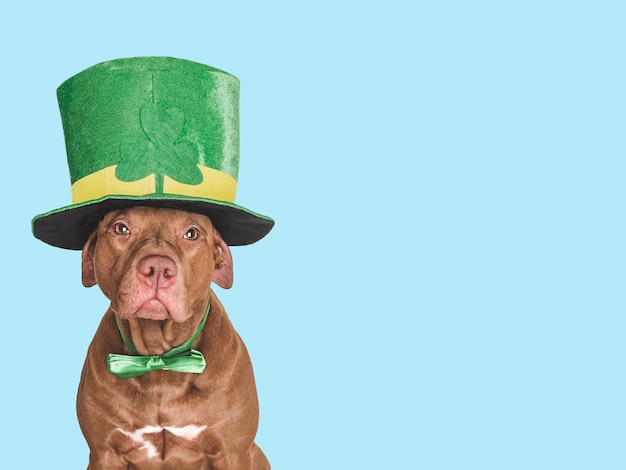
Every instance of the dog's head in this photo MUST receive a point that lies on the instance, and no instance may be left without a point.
(156, 263)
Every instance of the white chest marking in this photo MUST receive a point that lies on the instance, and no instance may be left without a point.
(189, 433)
(137, 436)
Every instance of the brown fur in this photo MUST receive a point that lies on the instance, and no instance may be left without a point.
(222, 398)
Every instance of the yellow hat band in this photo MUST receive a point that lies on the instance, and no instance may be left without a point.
(215, 185)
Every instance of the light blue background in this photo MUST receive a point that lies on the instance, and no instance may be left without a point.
(444, 285)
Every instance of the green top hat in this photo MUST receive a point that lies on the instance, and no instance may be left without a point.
(150, 131)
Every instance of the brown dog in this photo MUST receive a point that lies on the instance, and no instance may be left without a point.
(156, 266)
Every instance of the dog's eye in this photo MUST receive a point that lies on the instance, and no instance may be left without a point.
(121, 229)
(192, 234)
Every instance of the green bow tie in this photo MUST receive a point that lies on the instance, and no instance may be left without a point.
(179, 359)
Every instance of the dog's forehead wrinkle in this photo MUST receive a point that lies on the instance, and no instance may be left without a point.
(111, 215)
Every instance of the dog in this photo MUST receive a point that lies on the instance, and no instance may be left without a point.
(156, 266)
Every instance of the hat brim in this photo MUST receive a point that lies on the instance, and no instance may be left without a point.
(69, 227)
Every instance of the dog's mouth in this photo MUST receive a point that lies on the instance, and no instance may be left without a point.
(157, 304)
(153, 309)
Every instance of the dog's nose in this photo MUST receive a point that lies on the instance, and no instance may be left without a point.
(157, 271)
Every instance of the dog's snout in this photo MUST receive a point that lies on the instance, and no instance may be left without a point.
(157, 271)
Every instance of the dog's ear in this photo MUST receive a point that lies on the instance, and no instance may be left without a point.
(89, 273)
(223, 274)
